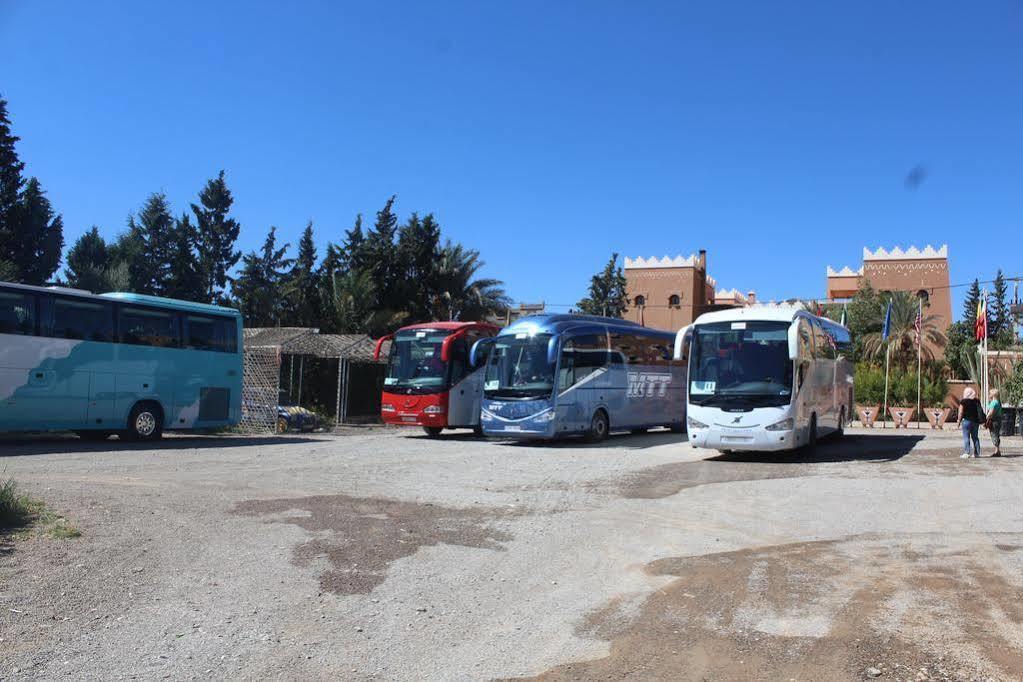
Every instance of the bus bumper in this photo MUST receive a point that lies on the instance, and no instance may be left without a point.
(759, 441)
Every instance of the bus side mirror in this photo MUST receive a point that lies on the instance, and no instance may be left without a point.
(681, 340)
(794, 341)
(380, 343)
(552, 351)
(477, 351)
(445, 346)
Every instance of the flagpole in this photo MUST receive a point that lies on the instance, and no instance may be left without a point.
(919, 356)
(887, 364)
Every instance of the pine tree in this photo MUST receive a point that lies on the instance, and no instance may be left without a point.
(130, 249)
(382, 253)
(607, 292)
(153, 228)
(88, 261)
(217, 234)
(999, 319)
(353, 249)
(38, 236)
(11, 180)
(260, 286)
(184, 279)
(970, 304)
(418, 250)
(303, 292)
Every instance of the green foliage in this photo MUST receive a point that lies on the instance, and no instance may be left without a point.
(970, 304)
(999, 318)
(902, 339)
(216, 234)
(87, 262)
(16, 508)
(301, 287)
(960, 342)
(184, 279)
(260, 287)
(147, 245)
(457, 293)
(607, 292)
(864, 315)
(1012, 386)
(902, 385)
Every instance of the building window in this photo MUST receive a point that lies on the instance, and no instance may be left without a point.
(640, 300)
(674, 300)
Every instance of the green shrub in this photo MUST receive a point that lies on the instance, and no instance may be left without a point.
(16, 508)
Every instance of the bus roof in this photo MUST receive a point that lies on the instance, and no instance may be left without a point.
(452, 325)
(766, 313)
(130, 298)
(562, 322)
(171, 303)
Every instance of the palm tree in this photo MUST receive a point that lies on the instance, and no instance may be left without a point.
(460, 297)
(350, 299)
(902, 333)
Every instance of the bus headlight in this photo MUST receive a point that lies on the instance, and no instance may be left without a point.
(434, 409)
(783, 425)
(695, 424)
(387, 408)
(486, 415)
(547, 416)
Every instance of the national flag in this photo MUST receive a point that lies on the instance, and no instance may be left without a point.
(886, 332)
(918, 325)
(980, 326)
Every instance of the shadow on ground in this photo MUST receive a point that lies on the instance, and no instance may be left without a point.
(28, 445)
(620, 441)
(847, 449)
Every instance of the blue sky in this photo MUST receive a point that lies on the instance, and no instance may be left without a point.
(777, 136)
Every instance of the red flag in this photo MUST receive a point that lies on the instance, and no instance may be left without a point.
(980, 326)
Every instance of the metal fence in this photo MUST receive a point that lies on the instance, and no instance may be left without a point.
(260, 389)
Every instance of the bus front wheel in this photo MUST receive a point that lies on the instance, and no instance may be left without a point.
(599, 427)
(145, 422)
(432, 431)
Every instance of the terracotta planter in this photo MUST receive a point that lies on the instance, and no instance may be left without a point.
(937, 416)
(868, 414)
(901, 415)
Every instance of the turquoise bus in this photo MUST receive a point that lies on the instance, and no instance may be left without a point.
(116, 363)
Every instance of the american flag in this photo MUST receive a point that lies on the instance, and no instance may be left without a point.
(919, 320)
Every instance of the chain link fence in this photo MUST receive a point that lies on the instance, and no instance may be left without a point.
(261, 376)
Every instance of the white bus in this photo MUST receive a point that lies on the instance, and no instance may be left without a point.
(765, 378)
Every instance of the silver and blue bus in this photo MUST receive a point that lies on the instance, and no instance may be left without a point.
(116, 363)
(549, 376)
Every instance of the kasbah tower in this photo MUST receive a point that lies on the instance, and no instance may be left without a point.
(923, 273)
(669, 293)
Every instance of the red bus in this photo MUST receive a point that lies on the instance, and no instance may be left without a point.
(429, 381)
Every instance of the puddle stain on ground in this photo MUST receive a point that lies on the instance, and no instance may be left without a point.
(360, 537)
(818, 610)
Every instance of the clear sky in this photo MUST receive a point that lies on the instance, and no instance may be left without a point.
(776, 135)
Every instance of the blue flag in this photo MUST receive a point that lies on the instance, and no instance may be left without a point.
(887, 322)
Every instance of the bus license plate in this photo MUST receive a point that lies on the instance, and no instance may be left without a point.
(408, 419)
(513, 427)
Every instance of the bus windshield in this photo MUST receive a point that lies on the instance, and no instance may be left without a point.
(518, 368)
(414, 365)
(740, 364)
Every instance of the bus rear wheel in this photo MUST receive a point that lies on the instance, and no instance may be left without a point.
(145, 422)
(599, 427)
(432, 431)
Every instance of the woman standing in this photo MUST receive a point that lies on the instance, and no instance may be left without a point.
(971, 416)
(994, 420)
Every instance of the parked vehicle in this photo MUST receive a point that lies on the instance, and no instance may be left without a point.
(429, 381)
(765, 378)
(549, 376)
(116, 363)
(293, 417)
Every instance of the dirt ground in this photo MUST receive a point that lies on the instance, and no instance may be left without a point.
(381, 554)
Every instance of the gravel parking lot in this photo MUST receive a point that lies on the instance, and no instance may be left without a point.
(382, 554)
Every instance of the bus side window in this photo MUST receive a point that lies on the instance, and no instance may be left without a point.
(203, 332)
(82, 320)
(148, 327)
(17, 313)
(590, 355)
(566, 365)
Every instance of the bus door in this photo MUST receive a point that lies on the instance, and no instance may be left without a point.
(465, 396)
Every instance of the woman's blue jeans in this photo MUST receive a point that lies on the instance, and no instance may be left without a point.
(971, 432)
